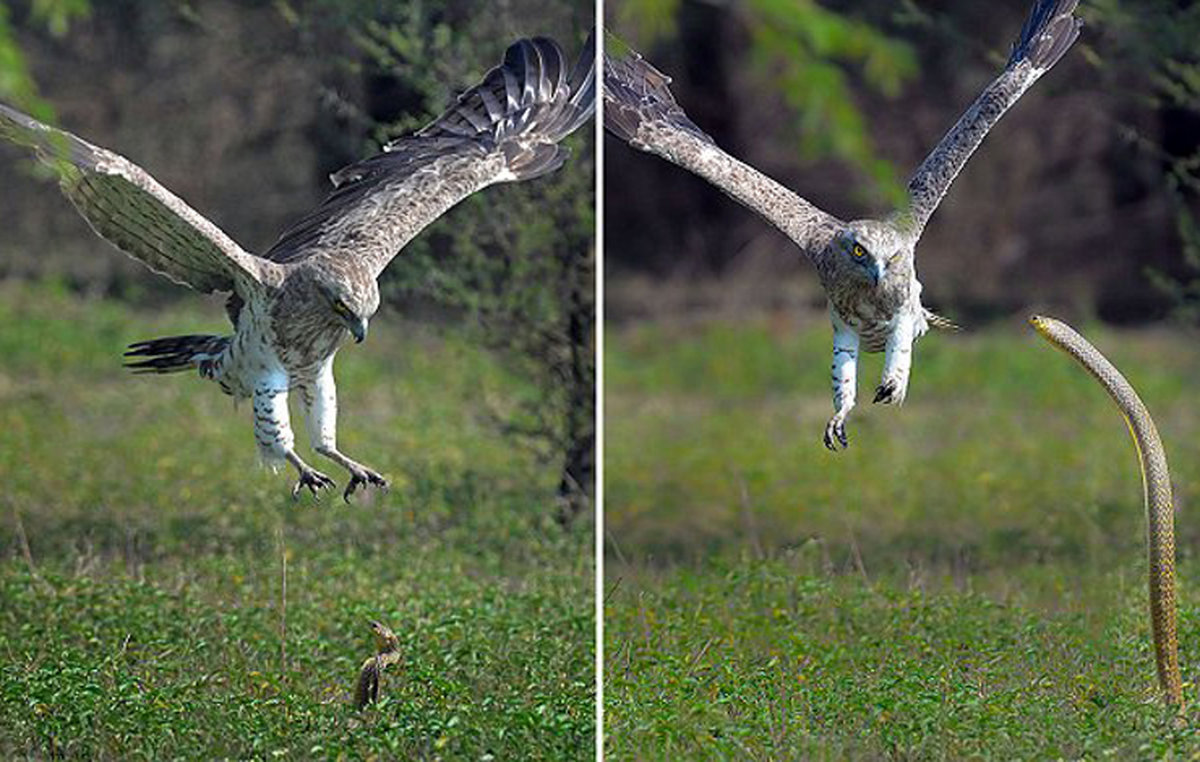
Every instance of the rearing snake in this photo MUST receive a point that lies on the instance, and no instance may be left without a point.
(1156, 483)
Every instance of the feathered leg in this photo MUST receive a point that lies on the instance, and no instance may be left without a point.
(273, 432)
(897, 362)
(320, 412)
(845, 382)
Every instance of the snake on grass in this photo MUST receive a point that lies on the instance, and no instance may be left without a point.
(1156, 484)
(387, 653)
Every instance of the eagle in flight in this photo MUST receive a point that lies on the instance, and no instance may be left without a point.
(295, 305)
(866, 266)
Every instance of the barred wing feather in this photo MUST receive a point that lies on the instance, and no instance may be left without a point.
(640, 109)
(506, 128)
(1048, 33)
(131, 210)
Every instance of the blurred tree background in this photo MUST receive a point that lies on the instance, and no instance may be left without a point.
(1084, 199)
(245, 108)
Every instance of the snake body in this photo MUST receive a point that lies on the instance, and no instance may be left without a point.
(387, 653)
(1156, 484)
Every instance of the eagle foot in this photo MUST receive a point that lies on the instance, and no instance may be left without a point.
(886, 393)
(314, 480)
(835, 432)
(363, 476)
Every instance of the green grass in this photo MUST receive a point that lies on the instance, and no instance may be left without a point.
(967, 581)
(151, 622)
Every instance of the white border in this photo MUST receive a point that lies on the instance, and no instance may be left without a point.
(598, 492)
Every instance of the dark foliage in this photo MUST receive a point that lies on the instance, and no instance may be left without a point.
(1068, 205)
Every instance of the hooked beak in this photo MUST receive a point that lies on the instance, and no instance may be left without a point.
(876, 271)
(358, 329)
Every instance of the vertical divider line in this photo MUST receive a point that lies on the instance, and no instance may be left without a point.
(598, 491)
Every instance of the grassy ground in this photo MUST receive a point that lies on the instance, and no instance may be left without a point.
(966, 581)
(152, 621)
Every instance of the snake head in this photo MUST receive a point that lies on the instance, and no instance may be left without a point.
(384, 637)
(1047, 326)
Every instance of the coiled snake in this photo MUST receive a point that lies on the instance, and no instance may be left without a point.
(1156, 483)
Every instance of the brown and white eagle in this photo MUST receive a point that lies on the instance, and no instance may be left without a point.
(866, 266)
(294, 306)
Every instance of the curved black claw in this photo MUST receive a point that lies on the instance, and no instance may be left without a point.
(886, 393)
(835, 431)
(364, 477)
(314, 480)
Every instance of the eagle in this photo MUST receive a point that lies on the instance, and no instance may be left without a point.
(294, 306)
(866, 266)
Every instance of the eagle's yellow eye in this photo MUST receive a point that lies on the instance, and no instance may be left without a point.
(340, 307)
(858, 251)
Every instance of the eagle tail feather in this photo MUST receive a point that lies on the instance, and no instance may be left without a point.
(172, 354)
(941, 322)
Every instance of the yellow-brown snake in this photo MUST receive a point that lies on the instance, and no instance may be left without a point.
(387, 653)
(1156, 484)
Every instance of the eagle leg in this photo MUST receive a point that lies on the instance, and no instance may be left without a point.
(845, 381)
(319, 398)
(897, 361)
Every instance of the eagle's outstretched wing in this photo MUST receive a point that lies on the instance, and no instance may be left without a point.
(639, 109)
(506, 128)
(131, 210)
(1048, 34)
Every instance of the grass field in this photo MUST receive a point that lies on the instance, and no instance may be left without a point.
(966, 581)
(150, 620)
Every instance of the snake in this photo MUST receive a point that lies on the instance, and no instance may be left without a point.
(1156, 490)
(387, 653)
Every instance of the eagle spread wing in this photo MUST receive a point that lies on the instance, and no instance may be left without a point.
(506, 128)
(1048, 33)
(639, 109)
(131, 210)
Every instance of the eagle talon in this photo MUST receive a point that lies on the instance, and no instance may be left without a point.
(314, 480)
(835, 431)
(886, 393)
(364, 477)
